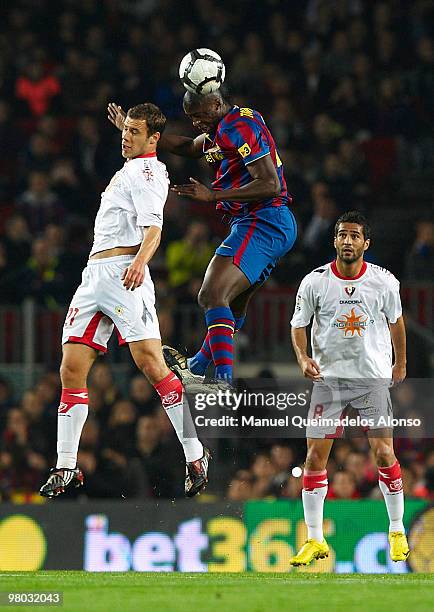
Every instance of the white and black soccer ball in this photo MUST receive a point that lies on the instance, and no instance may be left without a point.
(202, 71)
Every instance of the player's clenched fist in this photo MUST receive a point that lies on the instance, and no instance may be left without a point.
(399, 372)
(133, 276)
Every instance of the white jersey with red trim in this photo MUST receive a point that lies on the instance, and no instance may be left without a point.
(133, 199)
(350, 335)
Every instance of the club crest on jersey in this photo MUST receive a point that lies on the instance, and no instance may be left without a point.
(349, 290)
(148, 173)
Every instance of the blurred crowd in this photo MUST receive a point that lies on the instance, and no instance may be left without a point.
(351, 471)
(347, 88)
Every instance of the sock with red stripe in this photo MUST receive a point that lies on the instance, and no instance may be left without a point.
(199, 363)
(71, 416)
(315, 485)
(221, 324)
(175, 404)
(390, 483)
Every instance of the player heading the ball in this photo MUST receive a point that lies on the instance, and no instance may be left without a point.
(250, 189)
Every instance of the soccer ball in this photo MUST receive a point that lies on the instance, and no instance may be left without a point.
(202, 71)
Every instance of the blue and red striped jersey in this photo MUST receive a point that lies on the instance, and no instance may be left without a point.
(241, 138)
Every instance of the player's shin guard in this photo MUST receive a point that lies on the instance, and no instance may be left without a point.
(71, 417)
(315, 485)
(175, 404)
(221, 324)
(199, 363)
(390, 483)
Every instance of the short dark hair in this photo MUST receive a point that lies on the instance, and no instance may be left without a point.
(155, 120)
(193, 99)
(354, 216)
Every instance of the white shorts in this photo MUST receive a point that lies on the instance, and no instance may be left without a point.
(369, 400)
(101, 304)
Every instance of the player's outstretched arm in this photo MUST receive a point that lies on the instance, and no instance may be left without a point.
(397, 334)
(308, 366)
(264, 184)
(182, 145)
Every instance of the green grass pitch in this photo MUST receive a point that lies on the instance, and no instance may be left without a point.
(89, 592)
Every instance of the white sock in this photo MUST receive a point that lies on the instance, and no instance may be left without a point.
(179, 416)
(315, 486)
(175, 404)
(390, 483)
(71, 418)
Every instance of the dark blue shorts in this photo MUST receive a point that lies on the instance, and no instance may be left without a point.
(257, 241)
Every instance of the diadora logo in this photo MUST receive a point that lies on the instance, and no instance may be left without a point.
(298, 300)
(349, 290)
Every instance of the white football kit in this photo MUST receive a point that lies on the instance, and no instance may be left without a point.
(350, 340)
(133, 200)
